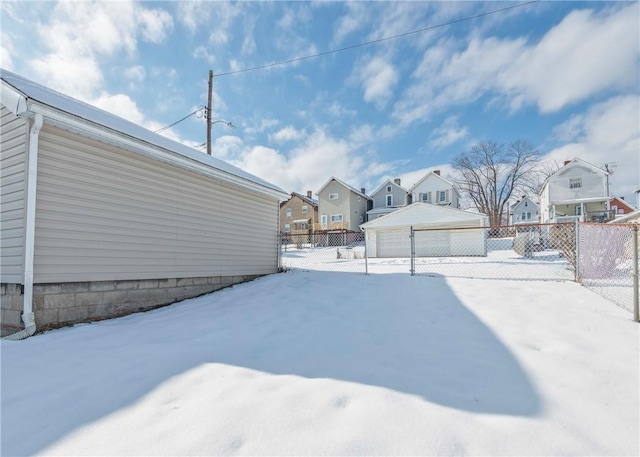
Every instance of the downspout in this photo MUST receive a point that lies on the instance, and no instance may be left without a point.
(28, 317)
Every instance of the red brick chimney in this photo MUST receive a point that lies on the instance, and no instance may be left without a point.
(309, 193)
(566, 162)
(437, 172)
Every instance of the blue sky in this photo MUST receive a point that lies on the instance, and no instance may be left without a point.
(563, 75)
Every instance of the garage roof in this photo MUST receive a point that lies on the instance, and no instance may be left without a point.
(19, 94)
(425, 213)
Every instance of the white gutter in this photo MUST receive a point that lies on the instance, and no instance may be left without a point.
(14, 101)
(157, 153)
(28, 316)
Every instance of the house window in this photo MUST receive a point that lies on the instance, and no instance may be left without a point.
(323, 220)
(288, 212)
(426, 197)
(389, 200)
(305, 209)
(526, 203)
(333, 196)
(388, 188)
(442, 196)
(523, 216)
(287, 228)
(336, 218)
(578, 210)
(575, 183)
(528, 216)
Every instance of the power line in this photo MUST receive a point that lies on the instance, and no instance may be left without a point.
(178, 121)
(380, 40)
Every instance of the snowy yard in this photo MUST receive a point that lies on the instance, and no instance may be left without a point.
(336, 363)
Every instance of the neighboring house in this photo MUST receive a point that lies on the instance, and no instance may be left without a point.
(620, 207)
(298, 214)
(341, 207)
(577, 191)
(524, 211)
(387, 198)
(434, 189)
(101, 217)
(389, 236)
(629, 218)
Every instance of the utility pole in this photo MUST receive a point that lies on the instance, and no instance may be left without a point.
(209, 112)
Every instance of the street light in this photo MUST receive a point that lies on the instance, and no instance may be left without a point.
(229, 124)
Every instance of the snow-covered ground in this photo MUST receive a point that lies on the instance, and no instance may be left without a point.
(321, 362)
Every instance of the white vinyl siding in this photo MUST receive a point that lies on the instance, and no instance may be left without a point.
(13, 146)
(107, 214)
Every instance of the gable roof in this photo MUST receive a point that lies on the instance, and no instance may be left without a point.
(578, 161)
(26, 98)
(519, 202)
(311, 201)
(424, 213)
(433, 173)
(352, 189)
(388, 181)
(624, 202)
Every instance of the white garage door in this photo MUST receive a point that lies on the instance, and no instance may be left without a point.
(433, 243)
(393, 243)
(467, 242)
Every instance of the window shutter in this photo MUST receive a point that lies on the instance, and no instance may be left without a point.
(447, 196)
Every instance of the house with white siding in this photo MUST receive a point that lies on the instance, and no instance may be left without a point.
(434, 189)
(101, 217)
(576, 192)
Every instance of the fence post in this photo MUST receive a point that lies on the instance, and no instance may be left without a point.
(366, 255)
(634, 237)
(413, 253)
(577, 251)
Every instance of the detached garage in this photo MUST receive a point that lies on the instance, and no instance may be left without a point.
(101, 217)
(439, 232)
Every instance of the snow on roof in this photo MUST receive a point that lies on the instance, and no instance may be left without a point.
(91, 115)
(423, 213)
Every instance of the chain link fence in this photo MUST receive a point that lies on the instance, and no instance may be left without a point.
(607, 259)
(522, 252)
(600, 256)
(331, 251)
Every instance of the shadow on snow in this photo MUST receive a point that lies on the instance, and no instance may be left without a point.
(393, 331)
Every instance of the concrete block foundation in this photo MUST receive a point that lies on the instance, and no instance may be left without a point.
(58, 305)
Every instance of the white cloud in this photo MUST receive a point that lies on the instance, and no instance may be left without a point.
(584, 55)
(607, 132)
(120, 105)
(259, 126)
(154, 24)
(310, 164)
(78, 34)
(6, 51)
(587, 53)
(447, 134)
(379, 78)
(339, 111)
(356, 17)
(288, 133)
(136, 75)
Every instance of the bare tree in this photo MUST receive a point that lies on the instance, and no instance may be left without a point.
(490, 173)
(545, 169)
